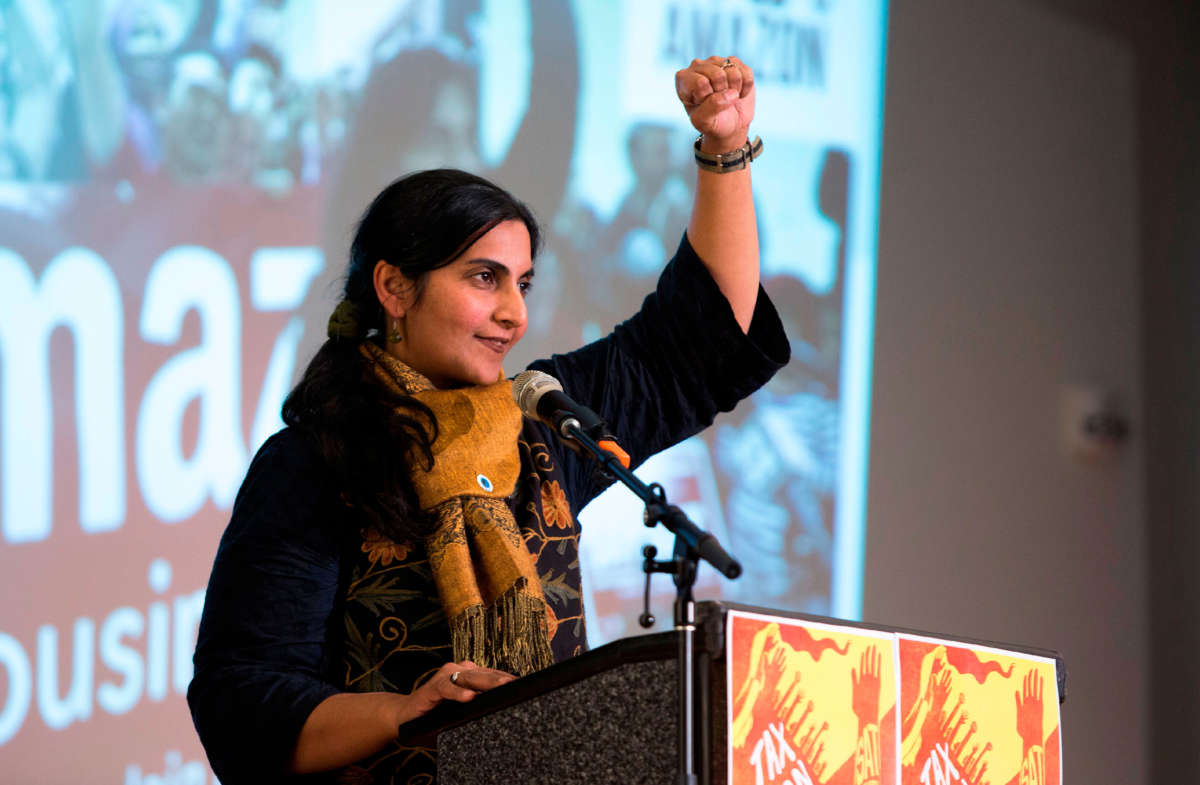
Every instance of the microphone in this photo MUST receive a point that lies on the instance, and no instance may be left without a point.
(540, 397)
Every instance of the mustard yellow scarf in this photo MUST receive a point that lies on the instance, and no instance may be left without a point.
(485, 576)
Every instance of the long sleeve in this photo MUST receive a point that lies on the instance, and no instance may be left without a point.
(262, 659)
(664, 374)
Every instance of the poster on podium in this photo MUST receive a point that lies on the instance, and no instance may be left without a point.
(812, 703)
(976, 715)
(809, 703)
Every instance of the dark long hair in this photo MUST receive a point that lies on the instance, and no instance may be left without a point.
(367, 434)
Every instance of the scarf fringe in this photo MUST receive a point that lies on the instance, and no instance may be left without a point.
(495, 636)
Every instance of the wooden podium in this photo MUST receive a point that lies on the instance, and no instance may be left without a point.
(612, 715)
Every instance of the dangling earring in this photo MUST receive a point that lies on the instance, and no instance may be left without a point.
(394, 335)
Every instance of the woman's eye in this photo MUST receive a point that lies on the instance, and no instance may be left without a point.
(486, 276)
(526, 286)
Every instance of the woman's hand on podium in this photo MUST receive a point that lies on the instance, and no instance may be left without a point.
(459, 681)
(349, 726)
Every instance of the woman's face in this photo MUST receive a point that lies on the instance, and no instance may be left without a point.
(470, 313)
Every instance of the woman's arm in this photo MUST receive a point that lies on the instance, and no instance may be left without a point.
(539, 160)
(348, 727)
(100, 93)
(720, 103)
(707, 336)
(262, 696)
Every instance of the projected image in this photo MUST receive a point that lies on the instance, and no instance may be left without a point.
(179, 181)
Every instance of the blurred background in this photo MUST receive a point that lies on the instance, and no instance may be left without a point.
(987, 428)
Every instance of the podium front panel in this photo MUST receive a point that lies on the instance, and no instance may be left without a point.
(855, 703)
(618, 726)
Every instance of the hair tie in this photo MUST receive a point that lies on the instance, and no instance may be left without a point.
(344, 321)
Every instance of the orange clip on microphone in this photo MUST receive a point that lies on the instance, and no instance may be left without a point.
(615, 449)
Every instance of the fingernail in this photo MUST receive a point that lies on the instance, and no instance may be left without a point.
(731, 94)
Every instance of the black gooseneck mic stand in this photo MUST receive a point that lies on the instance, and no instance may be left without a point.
(691, 544)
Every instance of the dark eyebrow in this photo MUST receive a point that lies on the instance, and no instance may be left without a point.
(497, 267)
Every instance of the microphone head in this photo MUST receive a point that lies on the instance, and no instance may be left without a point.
(528, 389)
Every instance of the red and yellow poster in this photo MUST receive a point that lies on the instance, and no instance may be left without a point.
(976, 715)
(809, 704)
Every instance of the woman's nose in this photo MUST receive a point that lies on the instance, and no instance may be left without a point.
(511, 311)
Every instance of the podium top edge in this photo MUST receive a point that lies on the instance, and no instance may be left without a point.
(639, 648)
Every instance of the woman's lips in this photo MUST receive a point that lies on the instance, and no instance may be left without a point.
(497, 345)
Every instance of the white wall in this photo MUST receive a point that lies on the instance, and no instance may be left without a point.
(1008, 268)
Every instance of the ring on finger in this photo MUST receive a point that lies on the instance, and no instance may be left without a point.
(727, 64)
(454, 677)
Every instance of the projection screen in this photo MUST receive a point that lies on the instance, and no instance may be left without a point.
(178, 184)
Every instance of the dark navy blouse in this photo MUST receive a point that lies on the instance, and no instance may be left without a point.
(304, 603)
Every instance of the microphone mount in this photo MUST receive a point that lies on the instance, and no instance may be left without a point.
(535, 392)
(691, 544)
(658, 510)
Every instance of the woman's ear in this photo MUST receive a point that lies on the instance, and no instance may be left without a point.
(393, 288)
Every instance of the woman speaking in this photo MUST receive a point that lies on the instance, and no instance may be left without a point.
(409, 537)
